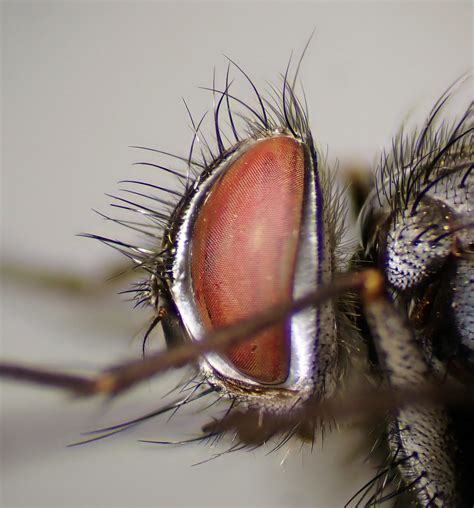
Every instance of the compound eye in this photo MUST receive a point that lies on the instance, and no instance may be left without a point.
(244, 248)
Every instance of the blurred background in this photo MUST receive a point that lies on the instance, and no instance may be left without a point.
(81, 81)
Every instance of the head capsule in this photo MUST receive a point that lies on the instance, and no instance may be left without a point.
(253, 233)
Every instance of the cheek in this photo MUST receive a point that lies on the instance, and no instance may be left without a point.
(244, 250)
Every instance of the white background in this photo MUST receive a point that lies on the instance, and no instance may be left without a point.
(83, 80)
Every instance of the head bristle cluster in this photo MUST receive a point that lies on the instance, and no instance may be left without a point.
(235, 121)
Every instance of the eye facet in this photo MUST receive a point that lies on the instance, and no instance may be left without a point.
(244, 247)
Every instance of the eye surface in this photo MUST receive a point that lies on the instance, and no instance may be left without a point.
(244, 250)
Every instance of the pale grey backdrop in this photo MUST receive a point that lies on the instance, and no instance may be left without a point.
(83, 80)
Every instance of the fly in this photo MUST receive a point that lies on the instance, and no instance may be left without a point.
(256, 230)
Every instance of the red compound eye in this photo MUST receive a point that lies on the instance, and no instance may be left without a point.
(244, 249)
